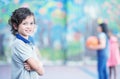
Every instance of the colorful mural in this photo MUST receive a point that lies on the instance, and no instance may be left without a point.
(62, 24)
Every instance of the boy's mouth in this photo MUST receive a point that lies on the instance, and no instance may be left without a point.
(28, 31)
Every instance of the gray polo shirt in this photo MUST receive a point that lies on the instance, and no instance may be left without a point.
(22, 51)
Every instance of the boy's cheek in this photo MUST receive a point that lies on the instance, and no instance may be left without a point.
(34, 29)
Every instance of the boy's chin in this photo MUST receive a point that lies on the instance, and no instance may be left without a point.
(28, 34)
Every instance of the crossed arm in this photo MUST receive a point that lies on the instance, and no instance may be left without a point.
(32, 64)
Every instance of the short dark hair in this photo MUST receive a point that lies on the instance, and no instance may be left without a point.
(17, 17)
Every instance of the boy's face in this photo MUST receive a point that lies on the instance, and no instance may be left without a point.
(27, 27)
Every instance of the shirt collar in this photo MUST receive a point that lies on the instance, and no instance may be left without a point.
(30, 39)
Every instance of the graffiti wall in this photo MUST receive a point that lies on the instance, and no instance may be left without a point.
(62, 25)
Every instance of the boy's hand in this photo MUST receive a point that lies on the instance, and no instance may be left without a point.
(27, 66)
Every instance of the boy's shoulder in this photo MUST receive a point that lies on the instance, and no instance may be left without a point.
(18, 42)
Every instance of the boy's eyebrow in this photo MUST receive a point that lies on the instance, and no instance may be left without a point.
(24, 22)
(28, 22)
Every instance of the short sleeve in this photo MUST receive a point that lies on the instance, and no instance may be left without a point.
(23, 51)
(102, 36)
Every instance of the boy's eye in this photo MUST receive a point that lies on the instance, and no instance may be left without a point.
(24, 23)
(32, 23)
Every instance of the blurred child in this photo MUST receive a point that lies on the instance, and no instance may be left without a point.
(25, 63)
(114, 58)
(102, 51)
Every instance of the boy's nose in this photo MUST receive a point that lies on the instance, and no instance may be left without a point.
(29, 26)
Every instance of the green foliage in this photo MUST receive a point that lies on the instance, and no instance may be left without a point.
(52, 54)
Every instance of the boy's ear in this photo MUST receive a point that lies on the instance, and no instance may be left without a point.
(15, 27)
